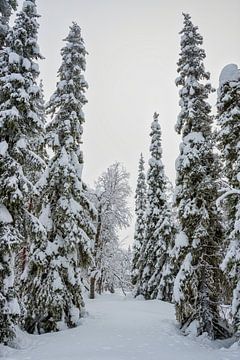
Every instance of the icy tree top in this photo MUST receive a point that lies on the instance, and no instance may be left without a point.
(24, 39)
(140, 196)
(65, 105)
(192, 73)
(155, 147)
(155, 177)
(191, 55)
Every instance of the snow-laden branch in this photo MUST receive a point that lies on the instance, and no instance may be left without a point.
(226, 194)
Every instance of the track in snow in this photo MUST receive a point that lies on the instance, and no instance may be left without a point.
(120, 328)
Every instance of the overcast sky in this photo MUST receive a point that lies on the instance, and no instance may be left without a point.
(133, 48)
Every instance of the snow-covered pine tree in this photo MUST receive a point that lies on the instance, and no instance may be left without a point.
(19, 122)
(159, 227)
(56, 290)
(229, 144)
(23, 50)
(19, 73)
(197, 284)
(171, 265)
(140, 211)
(38, 141)
(6, 8)
(11, 215)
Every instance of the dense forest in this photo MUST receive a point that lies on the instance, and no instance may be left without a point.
(59, 237)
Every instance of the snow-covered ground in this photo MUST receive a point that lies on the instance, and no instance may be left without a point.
(120, 328)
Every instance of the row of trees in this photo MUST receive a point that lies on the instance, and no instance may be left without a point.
(55, 233)
(191, 259)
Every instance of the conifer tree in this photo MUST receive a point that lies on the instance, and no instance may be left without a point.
(20, 70)
(196, 288)
(228, 141)
(6, 8)
(11, 194)
(38, 140)
(19, 122)
(158, 232)
(140, 211)
(54, 273)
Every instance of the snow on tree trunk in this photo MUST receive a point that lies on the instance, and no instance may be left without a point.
(197, 284)
(228, 137)
(56, 264)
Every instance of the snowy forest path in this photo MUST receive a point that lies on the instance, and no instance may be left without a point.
(121, 328)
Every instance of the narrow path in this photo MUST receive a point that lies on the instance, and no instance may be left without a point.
(120, 328)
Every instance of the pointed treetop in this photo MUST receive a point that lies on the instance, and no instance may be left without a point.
(142, 158)
(74, 33)
(187, 18)
(192, 77)
(24, 35)
(190, 40)
(155, 124)
(141, 164)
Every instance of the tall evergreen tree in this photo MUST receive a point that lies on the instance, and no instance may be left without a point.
(196, 287)
(228, 141)
(158, 232)
(19, 73)
(54, 274)
(140, 211)
(19, 122)
(38, 140)
(6, 8)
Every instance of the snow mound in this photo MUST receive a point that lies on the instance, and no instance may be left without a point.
(230, 72)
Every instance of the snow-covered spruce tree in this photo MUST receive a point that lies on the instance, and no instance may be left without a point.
(228, 141)
(19, 73)
(19, 122)
(172, 263)
(11, 215)
(6, 8)
(110, 199)
(197, 284)
(159, 227)
(38, 140)
(140, 211)
(55, 268)
(22, 52)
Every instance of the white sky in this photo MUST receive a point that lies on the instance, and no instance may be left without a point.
(133, 48)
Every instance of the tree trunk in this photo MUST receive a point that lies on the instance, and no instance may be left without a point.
(92, 288)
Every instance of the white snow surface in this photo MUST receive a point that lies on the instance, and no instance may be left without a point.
(121, 328)
(229, 73)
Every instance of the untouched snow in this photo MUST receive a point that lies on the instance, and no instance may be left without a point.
(120, 328)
